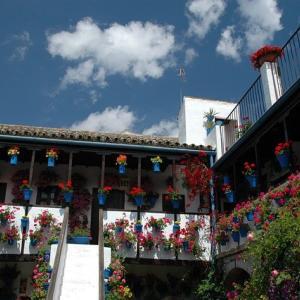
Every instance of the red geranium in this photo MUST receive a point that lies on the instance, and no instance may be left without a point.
(282, 148)
(137, 191)
(266, 53)
(105, 190)
(249, 169)
(68, 187)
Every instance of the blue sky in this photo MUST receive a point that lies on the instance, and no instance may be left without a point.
(112, 65)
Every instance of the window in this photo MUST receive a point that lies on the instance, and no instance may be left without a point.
(167, 204)
(48, 195)
(3, 186)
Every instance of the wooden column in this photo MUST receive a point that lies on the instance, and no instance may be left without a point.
(70, 166)
(139, 171)
(31, 167)
(258, 167)
(101, 237)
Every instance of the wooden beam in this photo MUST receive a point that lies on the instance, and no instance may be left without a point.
(70, 166)
(139, 172)
(102, 171)
(174, 173)
(101, 255)
(31, 167)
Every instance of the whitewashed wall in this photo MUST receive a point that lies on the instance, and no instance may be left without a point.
(191, 118)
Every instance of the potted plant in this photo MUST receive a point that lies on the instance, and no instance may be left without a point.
(138, 227)
(11, 235)
(6, 215)
(250, 173)
(209, 120)
(265, 54)
(158, 224)
(174, 196)
(243, 128)
(103, 194)
(221, 237)
(226, 188)
(67, 190)
(24, 223)
(45, 219)
(176, 227)
(122, 162)
(166, 243)
(121, 224)
(26, 189)
(35, 237)
(235, 233)
(138, 194)
(52, 155)
(13, 153)
(147, 241)
(80, 235)
(282, 154)
(55, 230)
(156, 161)
(129, 238)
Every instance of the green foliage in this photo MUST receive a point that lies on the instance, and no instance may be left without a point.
(211, 288)
(278, 248)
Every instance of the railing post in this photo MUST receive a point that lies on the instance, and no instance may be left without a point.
(70, 166)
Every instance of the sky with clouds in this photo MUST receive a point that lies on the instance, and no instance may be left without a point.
(113, 65)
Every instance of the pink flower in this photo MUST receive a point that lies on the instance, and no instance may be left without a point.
(275, 273)
(250, 236)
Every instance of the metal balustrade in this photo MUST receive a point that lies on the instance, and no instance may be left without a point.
(252, 105)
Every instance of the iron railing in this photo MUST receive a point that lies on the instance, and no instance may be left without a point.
(252, 105)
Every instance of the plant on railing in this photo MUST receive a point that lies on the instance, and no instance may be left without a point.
(137, 194)
(196, 175)
(282, 153)
(128, 238)
(67, 190)
(147, 241)
(7, 215)
(11, 235)
(54, 234)
(122, 163)
(35, 237)
(227, 190)
(241, 129)
(26, 189)
(52, 155)
(117, 288)
(157, 224)
(45, 219)
(265, 54)
(103, 193)
(249, 172)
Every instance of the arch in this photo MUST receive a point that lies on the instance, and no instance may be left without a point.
(236, 275)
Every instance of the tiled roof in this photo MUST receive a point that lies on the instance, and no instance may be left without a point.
(68, 134)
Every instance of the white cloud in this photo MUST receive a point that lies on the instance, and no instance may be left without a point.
(203, 14)
(228, 45)
(111, 119)
(262, 21)
(21, 42)
(190, 55)
(94, 96)
(164, 128)
(140, 50)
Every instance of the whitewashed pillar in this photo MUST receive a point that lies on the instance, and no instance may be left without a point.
(271, 82)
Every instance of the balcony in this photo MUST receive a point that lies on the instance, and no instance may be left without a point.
(263, 93)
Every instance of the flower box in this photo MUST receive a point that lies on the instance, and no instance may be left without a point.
(81, 240)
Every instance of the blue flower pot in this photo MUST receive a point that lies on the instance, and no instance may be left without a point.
(176, 227)
(122, 169)
(46, 285)
(27, 194)
(151, 201)
(230, 197)
(68, 196)
(51, 161)
(47, 256)
(24, 223)
(156, 167)
(138, 227)
(106, 288)
(250, 216)
(33, 242)
(81, 240)
(283, 160)
(118, 230)
(226, 180)
(10, 242)
(101, 199)
(243, 231)
(14, 160)
(235, 236)
(251, 180)
(175, 204)
(107, 273)
(185, 246)
(138, 200)
(208, 130)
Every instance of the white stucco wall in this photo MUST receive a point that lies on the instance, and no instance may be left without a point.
(191, 118)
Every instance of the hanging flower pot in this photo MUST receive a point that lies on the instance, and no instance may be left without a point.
(176, 227)
(229, 197)
(235, 236)
(46, 285)
(122, 169)
(185, 246)
(13, 152)
(156, 161)
(68, 196)
(51, 161)
(251, 180)
(283, 160)
(137, 194)
(243, 231)
(24, 223)
(250, 216)
(175, 204)
(138, 227)
(47, 255)
(138, 201)
(107, 273)
(81, 240)
(33, 242)
(10, 242)
(67, 190)
(156, 167)
(118, 229)
(226, 180)
(101, 199)
(14, 160)
(27, 194)
(122, 162)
